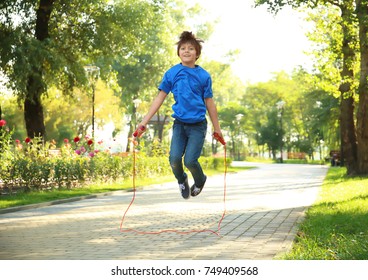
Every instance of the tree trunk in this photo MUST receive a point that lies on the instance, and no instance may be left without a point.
(362, 115)
(160, 129)
(348, 136)
(347, 124)
(33, 110)
(34, 119)
(132, 127)
(161, 121)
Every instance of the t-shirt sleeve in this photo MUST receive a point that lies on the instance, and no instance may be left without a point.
(166, 84)
(208, 88)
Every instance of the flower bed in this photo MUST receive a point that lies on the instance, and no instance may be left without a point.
(32, 165)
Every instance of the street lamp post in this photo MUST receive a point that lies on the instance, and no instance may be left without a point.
(136, 103)
(280, 106)
(93, 72)
(238, 119)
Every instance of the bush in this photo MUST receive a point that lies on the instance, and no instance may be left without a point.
(30, 165)
(214, 162)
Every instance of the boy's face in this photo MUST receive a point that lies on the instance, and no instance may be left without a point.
(187, 54)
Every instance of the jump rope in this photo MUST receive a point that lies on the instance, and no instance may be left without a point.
(137, 134)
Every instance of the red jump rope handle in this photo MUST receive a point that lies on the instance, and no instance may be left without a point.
(219, 138)
(139, 131)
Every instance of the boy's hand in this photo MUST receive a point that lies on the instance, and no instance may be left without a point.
(139, 131)
(219, 138)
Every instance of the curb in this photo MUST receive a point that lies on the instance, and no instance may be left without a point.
(60, 201)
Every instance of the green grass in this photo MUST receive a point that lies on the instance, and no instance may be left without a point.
(304, 161)
(33, 197)
(336, 226)
(259, 159)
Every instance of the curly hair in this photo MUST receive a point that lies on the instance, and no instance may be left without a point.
(189, 37)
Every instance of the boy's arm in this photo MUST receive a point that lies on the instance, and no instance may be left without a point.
(212, 111)
(156, 104)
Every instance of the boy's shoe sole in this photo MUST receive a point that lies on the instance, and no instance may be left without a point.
(184, 189)
(195, 190)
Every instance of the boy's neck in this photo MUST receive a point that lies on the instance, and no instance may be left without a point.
(191, 65)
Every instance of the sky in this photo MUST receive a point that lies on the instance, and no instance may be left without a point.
(267, 43)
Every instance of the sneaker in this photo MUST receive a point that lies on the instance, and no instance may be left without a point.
(196, 190)
(184, 189)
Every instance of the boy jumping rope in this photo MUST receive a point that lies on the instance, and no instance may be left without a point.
(192, 89)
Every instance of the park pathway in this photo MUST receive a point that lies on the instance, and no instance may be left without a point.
(263, 209)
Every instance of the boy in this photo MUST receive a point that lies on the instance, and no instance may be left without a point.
(192, 89)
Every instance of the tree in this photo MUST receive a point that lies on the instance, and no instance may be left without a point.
(259, 99)
(46, 43)
(12, 113)
(336, 32)
(76, 118)
(309, 114)
(271, 133)
(362, 115)
(315, 114)
(228, 91)
(233, 119)
(353, 139)
(226, 86)
(140, 72)
(320, 117)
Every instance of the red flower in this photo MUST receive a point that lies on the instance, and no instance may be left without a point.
(66, 141)
(27, 140)
(90, 142)
(76, 139)
(2, 123)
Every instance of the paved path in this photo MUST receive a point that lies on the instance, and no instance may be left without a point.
(264, 207)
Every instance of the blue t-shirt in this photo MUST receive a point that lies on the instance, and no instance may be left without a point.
(190, 87)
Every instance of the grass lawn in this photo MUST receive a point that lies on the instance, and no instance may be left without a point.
(336, 226)
(20, 199)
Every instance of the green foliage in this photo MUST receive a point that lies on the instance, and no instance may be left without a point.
(31, 165)
(5, 145)
(235, 120)
(214, 163)
(227, 87)
(133, 42)
(13, 115)
(330, 37)
(37, 57)
(309, 116)
(78, 33)
(28, 171)
(139, 73)
(271, 133)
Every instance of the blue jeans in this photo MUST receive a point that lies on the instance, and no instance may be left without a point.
(187, 140)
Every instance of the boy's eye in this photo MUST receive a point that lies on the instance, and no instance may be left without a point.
(189, 48)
